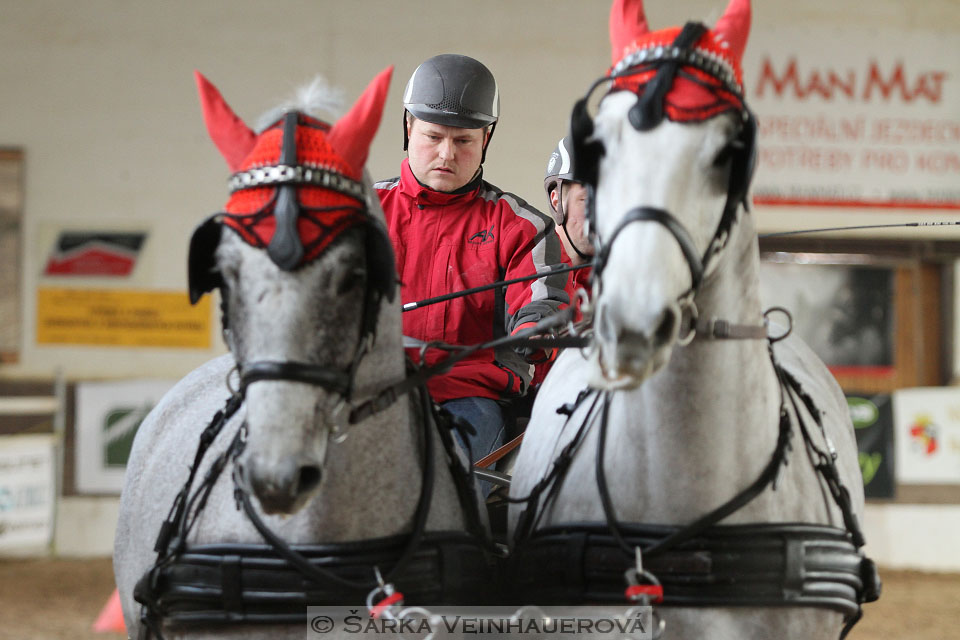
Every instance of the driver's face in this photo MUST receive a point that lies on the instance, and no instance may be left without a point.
(441, 157)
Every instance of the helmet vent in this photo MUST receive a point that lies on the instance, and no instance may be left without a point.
(446, 104)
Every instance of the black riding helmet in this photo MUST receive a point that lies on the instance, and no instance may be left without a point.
(452, 90)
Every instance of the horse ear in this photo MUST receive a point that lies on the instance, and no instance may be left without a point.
(627, 23)
(734, 27)
(352, 134)
(234, 138)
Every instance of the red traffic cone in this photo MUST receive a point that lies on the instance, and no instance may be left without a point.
(111, 616)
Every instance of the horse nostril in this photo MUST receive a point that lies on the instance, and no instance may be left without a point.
(309, 479)
(666, 328)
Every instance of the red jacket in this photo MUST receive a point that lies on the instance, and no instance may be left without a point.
(448, 242)
(579, 279)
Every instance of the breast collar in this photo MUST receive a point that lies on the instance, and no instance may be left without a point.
(422, 194)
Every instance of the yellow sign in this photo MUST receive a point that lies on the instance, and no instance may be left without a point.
(122, 318)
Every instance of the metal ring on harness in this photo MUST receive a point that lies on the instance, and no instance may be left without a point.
(786, 313)
(689, 315)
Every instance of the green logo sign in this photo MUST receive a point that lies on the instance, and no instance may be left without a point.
(119, 428)
(863, 413)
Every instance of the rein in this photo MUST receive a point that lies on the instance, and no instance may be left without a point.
(549, 271)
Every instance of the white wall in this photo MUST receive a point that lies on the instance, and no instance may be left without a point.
(100, 96)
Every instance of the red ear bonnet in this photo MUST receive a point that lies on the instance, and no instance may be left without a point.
(631, 41)
(338, 150)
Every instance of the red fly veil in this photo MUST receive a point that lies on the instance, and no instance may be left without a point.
(297, 185)
(712, 81)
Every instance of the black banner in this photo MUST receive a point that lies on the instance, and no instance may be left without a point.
(872, 417)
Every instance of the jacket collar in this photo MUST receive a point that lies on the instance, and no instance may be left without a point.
(410, 186)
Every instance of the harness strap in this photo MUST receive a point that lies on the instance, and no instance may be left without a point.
(790, 564)
(152, 590)
(177, 514)
(219, 584)
(826, 464)
(318, 574)
(319, 375)
(717, 329)
(551, 483)
(668, 222)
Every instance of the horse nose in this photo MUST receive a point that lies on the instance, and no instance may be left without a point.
(284, 486)
(661, 331)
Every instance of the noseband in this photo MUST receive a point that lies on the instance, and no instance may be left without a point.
(332, 380)
(676, 229)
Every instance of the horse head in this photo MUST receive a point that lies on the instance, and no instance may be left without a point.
(302, 262)
(670, 155)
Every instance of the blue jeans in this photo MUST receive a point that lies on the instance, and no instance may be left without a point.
(487, 419)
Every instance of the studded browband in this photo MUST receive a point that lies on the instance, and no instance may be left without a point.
(283, 174)
(708, 62)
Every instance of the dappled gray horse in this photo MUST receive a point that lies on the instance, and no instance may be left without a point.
(684, 456)
(303, 489)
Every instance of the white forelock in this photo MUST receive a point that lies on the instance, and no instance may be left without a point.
(316, 98)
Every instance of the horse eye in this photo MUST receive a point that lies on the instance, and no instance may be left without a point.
(727, 152)
(350, 281)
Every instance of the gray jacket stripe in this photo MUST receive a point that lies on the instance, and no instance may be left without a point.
(387, 184)
(545, 252)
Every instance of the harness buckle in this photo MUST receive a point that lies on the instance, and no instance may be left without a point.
(384, 606)
(642, 586)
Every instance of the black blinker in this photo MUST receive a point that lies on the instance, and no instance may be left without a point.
(202, 273)
(585, 158)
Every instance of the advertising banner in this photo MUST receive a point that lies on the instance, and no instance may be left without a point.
(872, 417)
(27, 490)
(108, 416)
(122, 318)
(927, 435)
(94, 253)
(856, 117)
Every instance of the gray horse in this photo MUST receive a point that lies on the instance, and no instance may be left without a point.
(305, 272)
(691, 423)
